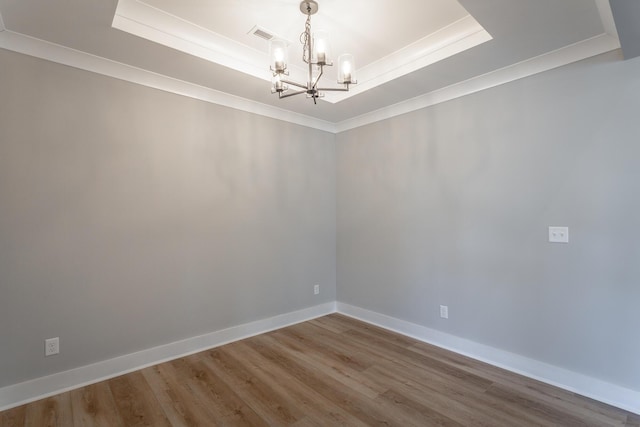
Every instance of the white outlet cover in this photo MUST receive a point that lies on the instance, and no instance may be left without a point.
(51, 346)
(316, 289)
(559, 234)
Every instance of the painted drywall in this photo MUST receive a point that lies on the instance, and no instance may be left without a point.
(131, 217)
(627, 15)
(450, 205)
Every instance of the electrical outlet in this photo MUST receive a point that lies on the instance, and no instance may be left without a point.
(558, 234)
(51, 346)
(444, 311)
(316, 289)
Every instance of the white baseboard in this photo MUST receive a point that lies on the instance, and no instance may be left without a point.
(39, 388)
(602, 391)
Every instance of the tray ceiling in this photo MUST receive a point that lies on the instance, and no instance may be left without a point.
(410, 53)
(388, 41)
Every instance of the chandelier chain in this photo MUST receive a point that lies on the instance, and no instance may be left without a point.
(305, 39)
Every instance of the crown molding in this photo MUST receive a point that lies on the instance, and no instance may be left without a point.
(548, 61)
(63, 55)
(606, 16)
(145, 21)
(603, 43)
(74, 58)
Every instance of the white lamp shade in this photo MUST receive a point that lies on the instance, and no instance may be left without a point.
(346, 69)
(321, 48)
(278, 55)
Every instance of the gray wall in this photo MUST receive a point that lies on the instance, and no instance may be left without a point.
(130, 217)
(450, 205)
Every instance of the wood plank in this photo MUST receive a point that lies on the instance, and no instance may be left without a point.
(210, 389)
(379, 333)
(408, 411)
(549, 414)
(308, 337)
(633, 420)
(421, 364)
(359, 357)
(13, 417)
(263, 399)
(94, 405)
(318, 409)
(176, 399)
(50, 412)
(467, 407)
(349, 400)
(340, 368)
(307, 422)
(331, 324)
(135, 401)
(569, 401)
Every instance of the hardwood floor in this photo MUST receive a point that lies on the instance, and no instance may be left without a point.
(329, 371)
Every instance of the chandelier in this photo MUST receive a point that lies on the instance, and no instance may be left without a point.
(315, 52)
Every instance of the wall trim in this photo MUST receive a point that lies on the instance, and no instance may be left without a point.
(42, 49)
(40, 388)
(606, 16)
(38, 48)
(593, 388)
(159, 26)
(545, 62)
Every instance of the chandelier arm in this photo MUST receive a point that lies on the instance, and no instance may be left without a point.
(289, 82)
(298, 92)
(333, 89)
(315, 83)
(310, 83)
(310, 67)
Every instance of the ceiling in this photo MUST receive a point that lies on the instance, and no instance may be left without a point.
(426, 31)
(410, 53)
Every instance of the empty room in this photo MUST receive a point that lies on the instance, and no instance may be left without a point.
(317, 213)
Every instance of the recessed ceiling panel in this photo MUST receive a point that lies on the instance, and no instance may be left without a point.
(372, 28)
(388, 38)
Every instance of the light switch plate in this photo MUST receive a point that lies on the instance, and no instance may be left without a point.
(559, 234)
(444, 311)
